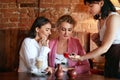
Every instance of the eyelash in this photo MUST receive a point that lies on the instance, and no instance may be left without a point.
(47, 29)
(64, 30)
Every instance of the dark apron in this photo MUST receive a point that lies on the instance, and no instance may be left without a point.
(112, 57)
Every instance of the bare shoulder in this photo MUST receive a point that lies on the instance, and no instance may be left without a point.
(114, 17)
(113, 20)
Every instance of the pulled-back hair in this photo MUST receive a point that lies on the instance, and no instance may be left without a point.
(39, 22)
(65, 18)
(105, 10)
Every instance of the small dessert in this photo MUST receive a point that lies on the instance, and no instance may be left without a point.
(66, 55)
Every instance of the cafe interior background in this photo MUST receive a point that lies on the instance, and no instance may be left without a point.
(17, 16)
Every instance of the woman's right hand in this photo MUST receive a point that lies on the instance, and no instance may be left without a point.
(44, 41)
(50, 70)
(75, 57)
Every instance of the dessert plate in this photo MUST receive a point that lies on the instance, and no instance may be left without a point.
(43, 73)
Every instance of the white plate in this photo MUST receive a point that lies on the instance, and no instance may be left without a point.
(39, 73)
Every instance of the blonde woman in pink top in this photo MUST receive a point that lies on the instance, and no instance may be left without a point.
(66, 43)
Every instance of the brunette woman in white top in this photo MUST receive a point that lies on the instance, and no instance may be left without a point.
(108, 37)
(34, 49)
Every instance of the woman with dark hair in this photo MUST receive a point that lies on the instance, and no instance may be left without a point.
(66, 43)
(34, 49)
(108, 36)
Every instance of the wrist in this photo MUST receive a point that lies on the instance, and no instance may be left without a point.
(81, 58)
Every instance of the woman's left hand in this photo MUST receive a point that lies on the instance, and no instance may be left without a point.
(66, 69)
(49, 70)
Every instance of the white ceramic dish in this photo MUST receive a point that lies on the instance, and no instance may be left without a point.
(39, 73)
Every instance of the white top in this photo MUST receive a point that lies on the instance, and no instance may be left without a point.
(29, 52)
(103, 28)
(60, 59)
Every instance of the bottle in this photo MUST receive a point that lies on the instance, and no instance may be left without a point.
(72, 74)
(59, 72)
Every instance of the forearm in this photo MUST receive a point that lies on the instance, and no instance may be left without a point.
(96, 52)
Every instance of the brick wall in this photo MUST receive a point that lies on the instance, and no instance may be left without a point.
(21, 13)
(54, 9)
(17, 13)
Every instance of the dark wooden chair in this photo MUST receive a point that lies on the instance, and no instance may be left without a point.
(10, 42)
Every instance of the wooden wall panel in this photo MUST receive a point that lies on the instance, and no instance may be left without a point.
(10, 42)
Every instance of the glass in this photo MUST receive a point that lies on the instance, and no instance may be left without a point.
(39, 64)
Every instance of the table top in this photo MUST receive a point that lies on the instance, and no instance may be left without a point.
(28, 76)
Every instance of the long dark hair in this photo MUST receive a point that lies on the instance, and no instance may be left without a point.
(39, 21)
(105, 10)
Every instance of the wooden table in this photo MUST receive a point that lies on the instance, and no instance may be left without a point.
(28, 76)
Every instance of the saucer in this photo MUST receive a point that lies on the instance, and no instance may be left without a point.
(39, 73)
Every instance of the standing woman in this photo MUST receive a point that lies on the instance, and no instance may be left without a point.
(109, 36)
(34, 49)
(66, 43)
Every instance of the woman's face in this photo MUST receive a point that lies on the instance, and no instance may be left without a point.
(65, 30)
(44, 31)
(95, 8)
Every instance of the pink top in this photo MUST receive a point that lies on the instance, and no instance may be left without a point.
(73, 46)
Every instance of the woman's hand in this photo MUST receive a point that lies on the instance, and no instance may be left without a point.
(66, 69)
(50, 70)
(44, 41)
(75, 57)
